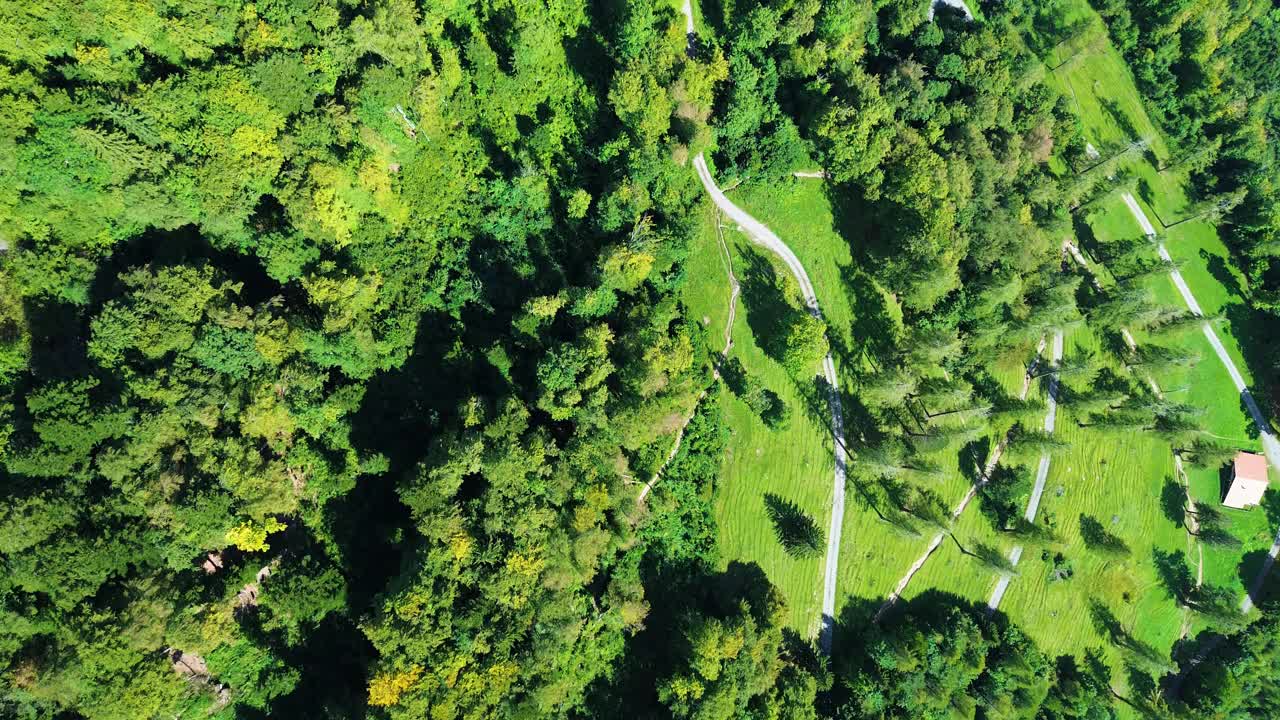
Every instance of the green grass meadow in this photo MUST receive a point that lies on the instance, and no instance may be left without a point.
(794, 462)
(873, 553)
(1111, 114)
(1112, 478)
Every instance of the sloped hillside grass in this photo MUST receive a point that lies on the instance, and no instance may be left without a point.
(794, 462)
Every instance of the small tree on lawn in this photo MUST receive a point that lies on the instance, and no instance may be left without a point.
(806, 346)
(798, 533)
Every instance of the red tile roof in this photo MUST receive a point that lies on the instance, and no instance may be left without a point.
(1251, 467)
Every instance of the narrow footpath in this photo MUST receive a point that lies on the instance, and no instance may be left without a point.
(1192, 526)
(987, 470)
(765, 237)
(734, 289)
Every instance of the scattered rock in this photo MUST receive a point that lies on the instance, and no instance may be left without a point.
(247, 597)
(189, 665)
(212, 563)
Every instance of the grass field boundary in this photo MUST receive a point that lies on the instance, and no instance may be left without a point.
(762, 235)
(1190, 525)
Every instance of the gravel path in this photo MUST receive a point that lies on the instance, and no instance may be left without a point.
(1270, 446)
(762, 235)
(964, 502)
(1042, 473)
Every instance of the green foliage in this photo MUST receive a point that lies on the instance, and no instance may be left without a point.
(930, 665)
(737, 662)
(1235, 679)
(336, 340)
(798, 533)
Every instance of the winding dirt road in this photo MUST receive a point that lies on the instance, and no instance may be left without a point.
(765, 237)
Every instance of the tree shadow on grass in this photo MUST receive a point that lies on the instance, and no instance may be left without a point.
(1187, 651)
(1251, 429)
(1120, 118)
(1141, 685)
(856, 614)
(769, 314)
(1148, 196)
(1100, 540)
(797, 532)
(853, 220)
(1217, 267)
(874, 327)
(1224, 479)
(1247, 572)
(1271, 506)
(858, 425)
(871, 498)
(1136, 652)
(1259, 344)
(1086, 240)
(1173, 502)
(1174, 574)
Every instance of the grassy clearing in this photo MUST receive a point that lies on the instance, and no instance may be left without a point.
(794, 462)
(706, 288)
(1113, 479)
(1205, 386)
(873, 553)
(1111, 114)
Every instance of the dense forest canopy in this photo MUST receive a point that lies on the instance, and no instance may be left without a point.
(339, 337)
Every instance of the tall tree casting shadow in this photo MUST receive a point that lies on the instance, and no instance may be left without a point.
(797, 532)
(1173, 502)
(769, 314)
(1100, 540)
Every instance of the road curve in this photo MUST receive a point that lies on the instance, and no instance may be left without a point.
(762, 235)
(1270, 446)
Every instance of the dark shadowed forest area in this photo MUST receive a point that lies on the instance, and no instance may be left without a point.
(339, 337)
